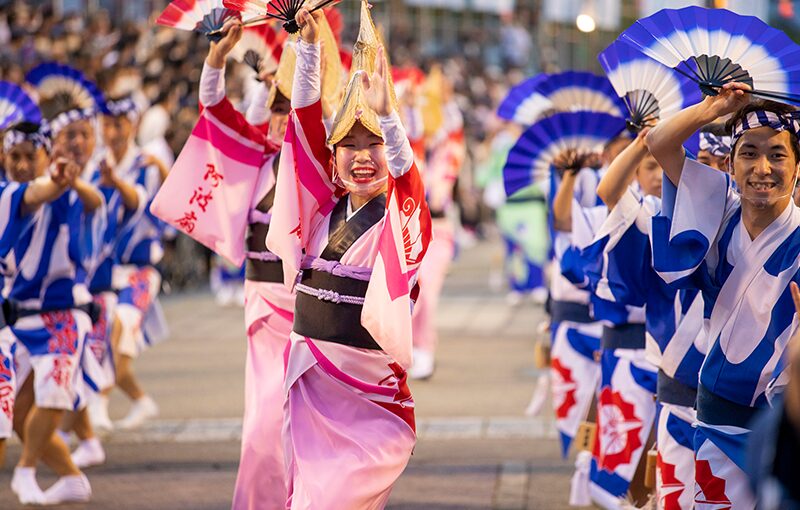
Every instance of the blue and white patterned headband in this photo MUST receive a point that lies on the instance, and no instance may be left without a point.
(122, 107)
(13, 138)
(719, 146)
(779, 122)
(63, 120)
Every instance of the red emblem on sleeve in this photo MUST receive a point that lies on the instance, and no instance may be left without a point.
(618, 428)
(564, 388)
(711, 489)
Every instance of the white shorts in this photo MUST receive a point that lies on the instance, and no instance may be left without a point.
(51, 346)
(138, 288)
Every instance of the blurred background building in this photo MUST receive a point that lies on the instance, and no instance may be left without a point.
(532, 35)
(483, 46)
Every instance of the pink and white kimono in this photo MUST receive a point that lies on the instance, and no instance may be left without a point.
(441, 173)
(349, 417)
(269, 310)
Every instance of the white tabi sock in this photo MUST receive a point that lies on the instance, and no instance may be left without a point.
(539, 397)
(423, 365)
(142, 410)
(98, 414)
(24, 485)
(89, 453)
(69, 489)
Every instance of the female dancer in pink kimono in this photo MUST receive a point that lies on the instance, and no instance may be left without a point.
(441, 174)
(269, 305)
(351, 226)
(260, 483)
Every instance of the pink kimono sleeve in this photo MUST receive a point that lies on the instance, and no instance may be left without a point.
(404, 240)
(304, 193)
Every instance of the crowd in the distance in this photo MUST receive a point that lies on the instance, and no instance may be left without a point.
(167, 63)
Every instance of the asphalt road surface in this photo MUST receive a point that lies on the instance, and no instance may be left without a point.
(476, 449)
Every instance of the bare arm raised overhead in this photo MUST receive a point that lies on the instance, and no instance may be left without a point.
(568, 164)
(622, 171)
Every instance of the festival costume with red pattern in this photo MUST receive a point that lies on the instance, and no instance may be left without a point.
(749, 318)
(12, 224)
(46, 301)
(626, 408)
(349, 417)
(269, 307)
(441, 173)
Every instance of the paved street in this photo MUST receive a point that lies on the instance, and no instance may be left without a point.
(476, 450)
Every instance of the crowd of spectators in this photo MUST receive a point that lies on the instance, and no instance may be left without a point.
(167, 63)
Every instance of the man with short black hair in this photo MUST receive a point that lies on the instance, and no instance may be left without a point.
(741, 248)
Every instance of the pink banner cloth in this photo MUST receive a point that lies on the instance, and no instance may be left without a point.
(209, 190)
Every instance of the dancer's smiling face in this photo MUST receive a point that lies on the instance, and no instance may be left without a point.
(118, 132)
(361, 162)
(765, 166)
(25, 162)
(76, 142)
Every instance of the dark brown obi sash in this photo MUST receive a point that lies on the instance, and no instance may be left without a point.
(624, 336)
(257, 270)
(328, 307)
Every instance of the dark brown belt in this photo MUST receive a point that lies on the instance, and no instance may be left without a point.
(624, 336)
(264, 271)
(323, 319)
(270, 271)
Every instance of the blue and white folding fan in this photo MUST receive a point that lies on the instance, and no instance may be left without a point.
(523, 104)
(52, 79)
(575, 91)
(530, 159)
(713, 47)
(16, 106)
(649, 89)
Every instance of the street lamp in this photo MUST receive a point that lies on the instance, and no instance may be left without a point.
(585, 23)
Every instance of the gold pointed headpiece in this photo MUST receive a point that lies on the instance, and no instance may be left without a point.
(331, 75)
(354, 107)
(433, 102)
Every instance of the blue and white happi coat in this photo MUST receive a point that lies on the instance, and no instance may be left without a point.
(749, 313)
(43, 268)
(625, 275)
(101, 237)
(12, 223)
(626, 411)
(43, 283)
(139, 239)
(674, 331)
(101, 244)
